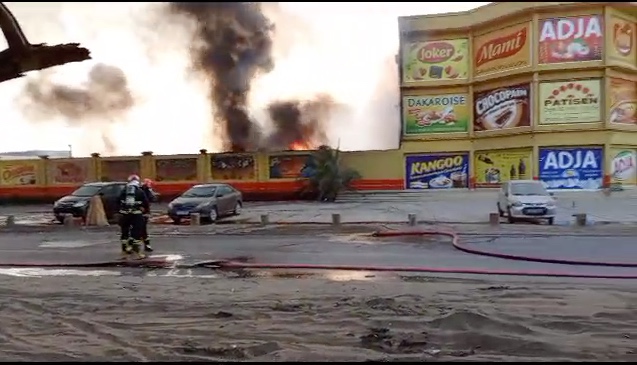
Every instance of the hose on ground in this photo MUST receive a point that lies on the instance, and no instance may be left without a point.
(158, 262)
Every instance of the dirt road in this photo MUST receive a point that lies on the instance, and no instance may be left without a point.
(288, 317)
(282, 315)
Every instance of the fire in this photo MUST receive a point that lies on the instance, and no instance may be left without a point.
(300, 146)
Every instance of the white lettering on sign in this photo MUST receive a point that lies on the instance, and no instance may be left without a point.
(571, 28)
(498, 97)
(570, 160)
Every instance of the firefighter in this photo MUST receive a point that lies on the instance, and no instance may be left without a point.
(133, 203)
(147, 187)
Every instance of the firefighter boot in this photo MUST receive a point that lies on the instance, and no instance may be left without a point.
(137, 250)
(127, 249)
(147, 246)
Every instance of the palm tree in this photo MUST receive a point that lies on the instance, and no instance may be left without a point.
(326, 175)
(22, 56)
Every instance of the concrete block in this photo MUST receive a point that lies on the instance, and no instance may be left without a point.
(10, 222)
(195, 219)
(336, 219)
(96, 215)
(494, 219)
(412, 219)
(265, 219)
(580, 219)
(69, 221)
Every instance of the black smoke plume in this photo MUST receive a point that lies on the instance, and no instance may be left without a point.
(100, 101)
(233, 45)
(300, 122)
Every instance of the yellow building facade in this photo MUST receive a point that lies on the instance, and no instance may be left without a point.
(519, 91)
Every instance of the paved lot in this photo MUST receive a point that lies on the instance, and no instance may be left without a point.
(446, 207)
(327, 249)
(435, 207)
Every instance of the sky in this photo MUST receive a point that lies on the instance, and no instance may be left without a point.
(344, 49)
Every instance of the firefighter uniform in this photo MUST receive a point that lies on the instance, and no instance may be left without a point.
(150, 195)
(133, 204)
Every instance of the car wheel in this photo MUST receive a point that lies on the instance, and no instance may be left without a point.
(551, 221)
(237, 208)
(509, 216)
(500, 211)
(60, 218)
(176, 220)
(213, 215)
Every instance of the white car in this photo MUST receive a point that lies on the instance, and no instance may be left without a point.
(526, 199)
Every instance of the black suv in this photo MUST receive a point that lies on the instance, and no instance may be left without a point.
(77, 203)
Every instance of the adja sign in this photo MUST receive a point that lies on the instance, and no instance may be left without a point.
(571, 39)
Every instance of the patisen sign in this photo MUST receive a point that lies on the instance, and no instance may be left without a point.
(570, 102)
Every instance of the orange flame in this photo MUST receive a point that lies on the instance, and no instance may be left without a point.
(300, 146)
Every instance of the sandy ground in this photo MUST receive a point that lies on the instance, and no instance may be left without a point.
(149, 316)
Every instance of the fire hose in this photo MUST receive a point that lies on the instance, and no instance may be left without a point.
(455, 241)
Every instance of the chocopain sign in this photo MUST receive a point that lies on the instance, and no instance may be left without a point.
(502, 50)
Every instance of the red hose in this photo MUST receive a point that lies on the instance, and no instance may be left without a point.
(457, 245)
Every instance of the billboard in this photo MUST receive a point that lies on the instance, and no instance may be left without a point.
(435, 60)
(623, 101)
(14, 172)
(565, 102)
(497, 166)
(622, 48)
(233, 167)
(624, 166)
(503, 108)
(502, 50)
(579, 168)
(292, 166)
(435, 114)
(571, 39)
(437, 170)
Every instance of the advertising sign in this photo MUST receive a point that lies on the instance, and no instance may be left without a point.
(623, 166)
(435, 114)
(572, 167)
(503, 108)
(436, 60)
(436, 170)
(119, 170)
(571, 39)
(502, 50)
(73, 171)
(622, 47)
(623, 101)
(292, 166)
(495, 167)
(565, 102)
(176, 169)
(233, 167)
(19, 172)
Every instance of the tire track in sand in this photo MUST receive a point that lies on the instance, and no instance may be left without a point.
(99, 332)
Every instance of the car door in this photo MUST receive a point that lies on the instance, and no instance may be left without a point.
(224, 200)
(110, 198)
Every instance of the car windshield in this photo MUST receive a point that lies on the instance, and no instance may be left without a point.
(200, 192)
(87, 190)
(528, 189)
